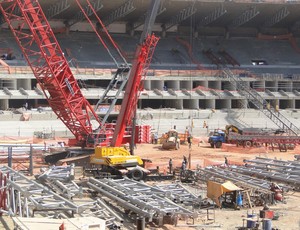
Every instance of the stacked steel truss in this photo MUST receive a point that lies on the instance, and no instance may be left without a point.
(145, 201)
(60, 180)
(23, 197)
(284, 172)
(258, 189)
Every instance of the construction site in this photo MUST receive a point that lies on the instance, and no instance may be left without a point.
(153, 114)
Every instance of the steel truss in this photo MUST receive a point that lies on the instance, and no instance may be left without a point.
(179, 194)
(145, 201)
(285, 172)
(22, 197)
(258, 189)
(60, 180)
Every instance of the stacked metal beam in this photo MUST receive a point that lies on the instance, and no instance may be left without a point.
(60, 180)
(25, 196)
(285, 172)
(258, 189)
(179, 194)
(145, 201)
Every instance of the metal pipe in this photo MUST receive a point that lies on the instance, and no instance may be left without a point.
(102, 203)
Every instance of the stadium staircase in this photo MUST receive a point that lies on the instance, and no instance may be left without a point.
(260, 103)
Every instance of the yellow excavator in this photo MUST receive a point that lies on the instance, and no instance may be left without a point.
(232, 128)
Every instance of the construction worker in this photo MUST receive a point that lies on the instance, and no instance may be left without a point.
(155, 138)
(189, 140)
(185, 160)
(170, 166)
(226, 162)
(183, 167)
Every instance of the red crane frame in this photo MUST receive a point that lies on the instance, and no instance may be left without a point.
(134, 86)
(50, 67)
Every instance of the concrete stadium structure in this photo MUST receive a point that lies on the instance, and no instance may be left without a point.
(258, 40)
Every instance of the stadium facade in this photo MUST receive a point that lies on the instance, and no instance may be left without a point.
(257, 40)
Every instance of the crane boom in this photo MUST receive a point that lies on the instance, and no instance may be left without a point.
(143, 56)
(45, 57)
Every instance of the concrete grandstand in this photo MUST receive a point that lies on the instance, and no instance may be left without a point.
(258, 40)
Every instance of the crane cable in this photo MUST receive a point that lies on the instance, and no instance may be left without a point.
(105, 30)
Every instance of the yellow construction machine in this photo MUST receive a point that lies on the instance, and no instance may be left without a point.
(172, 140)
(119, 162)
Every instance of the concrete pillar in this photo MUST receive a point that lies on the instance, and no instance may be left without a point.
(157, 85)
(191, 104)
(175, 85)
(24, 83)
(177, 103)
(292, 104)
(147, 85)
(186, 85)
(201, 83)
(225, 104)
(4, 104)
(210, 104)
(215, 85)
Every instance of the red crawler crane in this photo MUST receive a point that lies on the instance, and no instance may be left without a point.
(46, 59)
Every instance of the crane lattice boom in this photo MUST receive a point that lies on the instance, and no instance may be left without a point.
(45, 57)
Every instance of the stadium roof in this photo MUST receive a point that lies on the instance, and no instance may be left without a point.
(229, 15)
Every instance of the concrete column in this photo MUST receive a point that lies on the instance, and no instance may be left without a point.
(201, 83)
(147, 85)
(210, 104)
(215, 85)
(186, 85)
(4, 104)
(173, 85)
(191, 104)
(157, 85)
(292, 104)
(24, 83)
(225, 104)
(177, 104)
